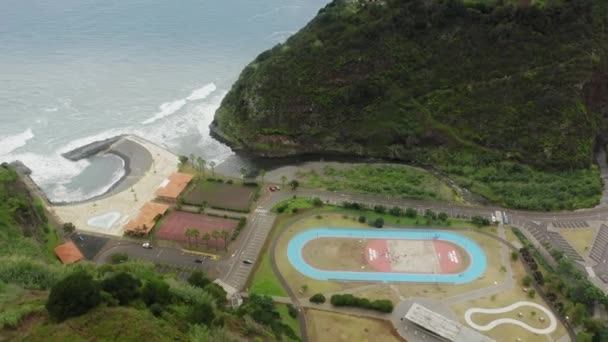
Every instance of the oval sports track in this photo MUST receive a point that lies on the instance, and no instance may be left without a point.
(476, 256)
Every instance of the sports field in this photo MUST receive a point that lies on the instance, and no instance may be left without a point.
(221, 195)
(387, 255)
(175, 225)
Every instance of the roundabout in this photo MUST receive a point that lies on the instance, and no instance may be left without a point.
(493, 324)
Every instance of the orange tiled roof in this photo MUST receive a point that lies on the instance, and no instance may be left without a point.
(68, 253)
(144, 222)
(174, 185)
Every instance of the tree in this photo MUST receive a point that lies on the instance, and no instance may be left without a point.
(480, 221)
(202, 313)
(183, 160)
(443, 217)
(156, 291)
(206, 238)
(262, 174)
(225, 235)
(218, 293)
(69, 228)
(188, 234)
(526, 281)
(198, 279)
(294, 184)
(317, 298)
(216, 235)
(430, 215)
(514, 256)
(531, 293)
(379, 223)
(73, 296)
(317, 202)
(362, 219)
(122, 286)
(380, 209)
(196, 234)
(212, 166)
(411, 212)
(201, 166)
(283, 180)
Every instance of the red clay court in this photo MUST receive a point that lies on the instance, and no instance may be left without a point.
(414, 256)
(174, 227)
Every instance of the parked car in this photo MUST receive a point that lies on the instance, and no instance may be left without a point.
(198, 261)
(248, 262)
(147, 245)
(272, 188)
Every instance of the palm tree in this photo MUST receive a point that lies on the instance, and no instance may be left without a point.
(262, 174)
(283, 180)
(216, 235)
(212, 166)
(188, 234)
(294, 184)
(206, 238)
(196, 235)
(201, 165)
(225, 236)
(243, 171)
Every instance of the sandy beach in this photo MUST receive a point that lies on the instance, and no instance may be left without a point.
(146, 164)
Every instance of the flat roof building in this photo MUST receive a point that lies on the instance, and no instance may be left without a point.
(68, 253)
(442, 326)
(145, 220)
(172, 187)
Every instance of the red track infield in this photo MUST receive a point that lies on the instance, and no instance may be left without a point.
(447, 256)
(175, 225)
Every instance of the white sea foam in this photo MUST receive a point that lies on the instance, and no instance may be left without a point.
(202, 93)
(170, 108)
(50, 110)
(12, 142)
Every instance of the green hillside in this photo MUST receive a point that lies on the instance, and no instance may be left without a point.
(494, 95)
(42, 300)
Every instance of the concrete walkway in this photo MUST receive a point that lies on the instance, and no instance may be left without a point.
(493, 324)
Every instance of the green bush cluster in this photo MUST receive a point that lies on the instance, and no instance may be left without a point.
(239, 227)
(318, 298)
(382, 305)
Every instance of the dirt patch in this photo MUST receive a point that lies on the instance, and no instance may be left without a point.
(341, 254)
(329, 326)
(221, 195)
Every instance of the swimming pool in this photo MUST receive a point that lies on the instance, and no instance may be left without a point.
(477, 257)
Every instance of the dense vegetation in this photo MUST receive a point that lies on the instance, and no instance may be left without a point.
(42, 300)
(507, 98)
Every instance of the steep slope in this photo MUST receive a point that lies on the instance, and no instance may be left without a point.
(434, 83)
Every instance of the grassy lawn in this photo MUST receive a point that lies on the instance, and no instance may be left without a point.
(391, 180)
(329, 326)
(264, 281)
(290, 321)
(287, 206)
(106, 324)
(237, 197)
(580, 238)
(51, 240)
(506, 298)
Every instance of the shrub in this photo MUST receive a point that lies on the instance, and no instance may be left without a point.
(362, 219)
(382, 305)
(395, 211)
(526, 281)
(118, 258)
(293, 312)
(156, 291)
(480, 221)
(122, 286)
(317, 202)
(73, 296)
(217, 292)
(442, 216)
(317, 298)
(514, 256)
(411, 213)
(295, 210)
(531, 293)
(202, 313)
(380, 209)
(379, 223)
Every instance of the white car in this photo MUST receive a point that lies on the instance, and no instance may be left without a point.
(147, 245)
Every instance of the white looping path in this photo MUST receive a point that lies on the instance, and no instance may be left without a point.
(552, 321)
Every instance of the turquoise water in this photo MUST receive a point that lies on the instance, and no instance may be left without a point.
(475, 270)
(76, 71)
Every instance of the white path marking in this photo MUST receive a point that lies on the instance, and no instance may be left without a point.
(552, 321)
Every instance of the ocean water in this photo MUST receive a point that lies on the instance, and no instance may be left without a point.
(77, 71)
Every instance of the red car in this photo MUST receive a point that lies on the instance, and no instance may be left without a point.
(272, 188)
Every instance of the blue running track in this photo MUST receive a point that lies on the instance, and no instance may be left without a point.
(476, 255)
